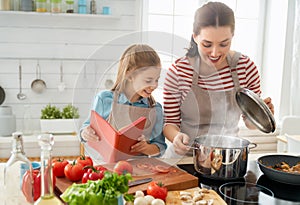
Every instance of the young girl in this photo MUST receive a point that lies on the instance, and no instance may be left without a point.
(130, 98)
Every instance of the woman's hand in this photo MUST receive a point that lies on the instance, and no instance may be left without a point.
(89, 134)
(269, 103)
(180, 142)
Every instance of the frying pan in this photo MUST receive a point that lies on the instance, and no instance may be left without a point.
(255, 109)
(279, 176)
(2, 95)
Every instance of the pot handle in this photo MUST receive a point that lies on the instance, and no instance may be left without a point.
(254, 145)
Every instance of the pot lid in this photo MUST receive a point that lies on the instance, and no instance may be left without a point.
(255, 109)
(2, 95)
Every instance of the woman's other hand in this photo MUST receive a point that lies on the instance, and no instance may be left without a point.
(180, 143)
(89, 134)
(269, 103)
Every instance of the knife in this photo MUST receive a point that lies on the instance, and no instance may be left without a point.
(139, 181)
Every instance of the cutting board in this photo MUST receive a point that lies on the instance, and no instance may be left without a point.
(175, 179)
(173, 197)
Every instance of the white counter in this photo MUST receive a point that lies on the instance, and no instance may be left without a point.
(64, 145)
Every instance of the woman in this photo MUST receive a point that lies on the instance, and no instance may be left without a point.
(199, 89)
(130, 98)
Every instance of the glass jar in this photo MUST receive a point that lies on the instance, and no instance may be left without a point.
(41, 6)
(56, 6)
(93, 8)
(82, 6)
(12, 171)
(47, 197)
(26, 5)
(69, 6)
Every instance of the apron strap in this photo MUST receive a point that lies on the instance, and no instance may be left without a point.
(233, 62)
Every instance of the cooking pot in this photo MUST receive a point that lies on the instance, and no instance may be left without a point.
(221, 157)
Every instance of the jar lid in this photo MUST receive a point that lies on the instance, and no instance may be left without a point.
(55, 1)
(70, 2)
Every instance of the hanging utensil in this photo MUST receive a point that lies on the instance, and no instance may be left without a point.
(20, 95)
(61, 85)
(38, 85)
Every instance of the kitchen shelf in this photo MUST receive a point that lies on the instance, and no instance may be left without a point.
(65, 15)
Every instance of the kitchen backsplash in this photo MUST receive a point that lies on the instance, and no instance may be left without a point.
(85, 46)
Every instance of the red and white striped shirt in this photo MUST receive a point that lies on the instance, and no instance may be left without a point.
(178, 83)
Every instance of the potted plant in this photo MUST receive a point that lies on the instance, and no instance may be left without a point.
(53, 120)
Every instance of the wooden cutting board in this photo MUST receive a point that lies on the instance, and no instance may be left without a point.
(175, 179)
(173, 197)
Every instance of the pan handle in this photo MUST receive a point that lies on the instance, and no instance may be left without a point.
(252, 145)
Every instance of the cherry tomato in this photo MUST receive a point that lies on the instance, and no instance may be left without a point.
(123, 167)
(74, 171)
(58, 166)
(92, 173)
(84, 160)
(157, 190)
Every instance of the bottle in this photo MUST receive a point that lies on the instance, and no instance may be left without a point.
(82, 6)
(27, 121)
(93, 8)
(69, 6)
(47, 197)
(12, 171)
(56, 6)
(40, 6)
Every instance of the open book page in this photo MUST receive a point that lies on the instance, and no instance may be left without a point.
(115, 145)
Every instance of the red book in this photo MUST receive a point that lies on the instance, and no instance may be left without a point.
(114, 145)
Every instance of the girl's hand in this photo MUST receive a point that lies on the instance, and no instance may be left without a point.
(88, 134)
(140, 146)
(180, 142)
(269, 103)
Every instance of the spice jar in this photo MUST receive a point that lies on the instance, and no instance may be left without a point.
(55, 6)
(40, 6)
(82, 6)
(69, 6)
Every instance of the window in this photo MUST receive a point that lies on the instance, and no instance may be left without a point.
(175, 17)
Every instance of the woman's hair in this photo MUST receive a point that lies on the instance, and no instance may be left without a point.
(213, 14)
(136, 56)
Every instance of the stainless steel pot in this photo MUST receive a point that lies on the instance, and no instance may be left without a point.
(221, 157)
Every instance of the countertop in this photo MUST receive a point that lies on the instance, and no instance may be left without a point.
(252, 165)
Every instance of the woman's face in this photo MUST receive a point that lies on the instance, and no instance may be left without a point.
(214, 44)
(145, 81)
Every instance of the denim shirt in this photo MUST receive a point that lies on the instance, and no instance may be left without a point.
(103, 105)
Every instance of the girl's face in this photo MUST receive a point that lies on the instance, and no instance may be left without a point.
(144, 82)
(214, 44)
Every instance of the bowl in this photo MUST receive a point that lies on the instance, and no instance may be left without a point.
(280, 176)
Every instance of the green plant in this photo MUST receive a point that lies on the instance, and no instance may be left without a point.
(70, 112)
(50, 112)
(53, 112)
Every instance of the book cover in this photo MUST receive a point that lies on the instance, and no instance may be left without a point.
(114, 145)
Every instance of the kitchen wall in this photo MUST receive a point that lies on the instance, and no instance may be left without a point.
(86, 46)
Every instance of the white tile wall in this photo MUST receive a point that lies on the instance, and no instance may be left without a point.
(88, 47)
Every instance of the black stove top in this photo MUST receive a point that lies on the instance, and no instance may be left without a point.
(285, 193)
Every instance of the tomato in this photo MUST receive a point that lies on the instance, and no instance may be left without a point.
(162, 169)
(123, 167)
(74, 171)
(84, 160)
(27, 188)
(157, 190)
(93, 173)
(58, 166)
